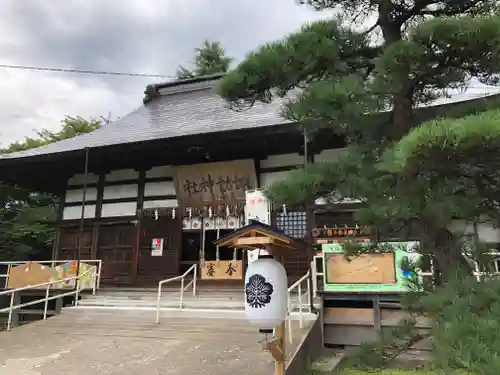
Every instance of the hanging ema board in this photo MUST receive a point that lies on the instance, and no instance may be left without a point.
(369, 272)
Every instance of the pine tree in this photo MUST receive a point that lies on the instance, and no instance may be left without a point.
(332, 75)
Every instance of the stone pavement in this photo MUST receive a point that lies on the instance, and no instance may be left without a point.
(116, 342)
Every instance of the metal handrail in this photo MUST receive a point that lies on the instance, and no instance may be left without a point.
(298, 285)
(47, 298)
(194, 269)
(51, 263)
(315, 274)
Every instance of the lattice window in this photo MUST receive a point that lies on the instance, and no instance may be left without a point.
(294, 224)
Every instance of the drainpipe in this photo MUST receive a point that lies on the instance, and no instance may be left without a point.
(82, 220)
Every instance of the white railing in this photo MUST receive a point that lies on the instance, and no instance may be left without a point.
(476, 272)
(315, 274)
(298, 285)
(75, 291)
(50, 263)
(194, 269)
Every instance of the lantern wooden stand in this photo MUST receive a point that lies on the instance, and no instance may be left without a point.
(257, 235)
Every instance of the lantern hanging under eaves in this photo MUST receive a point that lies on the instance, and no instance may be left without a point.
(266, 293)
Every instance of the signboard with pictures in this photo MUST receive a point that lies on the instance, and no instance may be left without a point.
(157, 247)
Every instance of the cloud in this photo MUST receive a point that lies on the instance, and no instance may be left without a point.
(153, 36)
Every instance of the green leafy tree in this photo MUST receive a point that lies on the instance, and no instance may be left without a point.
(210, 59)
(331, 75)
(26, 218)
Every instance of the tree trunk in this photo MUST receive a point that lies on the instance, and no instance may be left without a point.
(439, 241)
(448, 258)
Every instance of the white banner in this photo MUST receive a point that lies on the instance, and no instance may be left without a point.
(257, 207)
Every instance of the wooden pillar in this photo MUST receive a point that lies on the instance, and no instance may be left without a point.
(277, 346)
(55, 244)
(57, 232)
(377, 314)
(95, 241)
(140, 205)
(280, 366)
(100, 194)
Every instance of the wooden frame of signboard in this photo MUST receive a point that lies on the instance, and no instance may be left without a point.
(257, 235)
(369, 272)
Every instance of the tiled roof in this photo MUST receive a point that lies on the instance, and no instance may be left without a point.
(180, 109)
(176, 111)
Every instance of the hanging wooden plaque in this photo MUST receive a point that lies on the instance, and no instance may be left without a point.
(210, 184)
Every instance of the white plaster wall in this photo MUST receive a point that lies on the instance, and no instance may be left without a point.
(161, 171)
(76, 195)
(161, 203)
(159, 188)
(486, 231)
(75, 212)
(118, 209)
(329, 155)
(120, 191)
(78, 179)
(282, 160)
(267, 179)
(122, 174)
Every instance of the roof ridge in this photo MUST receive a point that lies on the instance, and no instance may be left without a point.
(152, 91)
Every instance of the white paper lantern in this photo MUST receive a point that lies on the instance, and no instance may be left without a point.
(266, 287)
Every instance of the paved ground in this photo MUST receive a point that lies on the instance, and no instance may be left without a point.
(115, 342)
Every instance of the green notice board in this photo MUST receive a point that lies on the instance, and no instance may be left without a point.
(383, 268)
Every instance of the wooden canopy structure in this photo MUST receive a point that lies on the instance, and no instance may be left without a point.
(257, 235)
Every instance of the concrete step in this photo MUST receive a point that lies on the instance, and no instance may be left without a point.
(129, 315)
(148, 297)
(228, 299)
(172, 305)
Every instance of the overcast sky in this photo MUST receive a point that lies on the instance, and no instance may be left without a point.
(152, 36)
(144, 36)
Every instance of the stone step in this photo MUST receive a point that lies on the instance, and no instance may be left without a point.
(163, 298)
(168, 288)
(155, 295)
(81, 314)
(170, 305)
(151, 300)
(194, 303)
